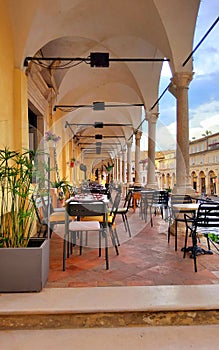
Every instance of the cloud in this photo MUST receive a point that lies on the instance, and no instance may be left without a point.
(205, 117)
(206, 62)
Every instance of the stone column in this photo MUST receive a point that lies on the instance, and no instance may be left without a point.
(181, 81)
(120, 167)
(137, 158)
(151, 177)
(129, 162)
(116, 169)
(124, 166)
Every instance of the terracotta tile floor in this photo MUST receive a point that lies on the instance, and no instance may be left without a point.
(144, 259)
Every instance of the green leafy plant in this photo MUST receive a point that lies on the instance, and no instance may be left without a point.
(214, 237)
(63, 187)
(17, 213)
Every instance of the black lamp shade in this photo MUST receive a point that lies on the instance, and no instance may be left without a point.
(99, 59)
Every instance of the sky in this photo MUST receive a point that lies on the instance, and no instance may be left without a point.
(203, 90)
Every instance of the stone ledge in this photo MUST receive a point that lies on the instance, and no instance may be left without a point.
(111, 299)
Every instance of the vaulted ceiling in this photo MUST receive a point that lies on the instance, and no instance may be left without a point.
(124, 29)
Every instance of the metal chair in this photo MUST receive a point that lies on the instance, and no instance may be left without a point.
(206, 221)
(146, 200)
(159, 202)
(91, 216)
(46, 220)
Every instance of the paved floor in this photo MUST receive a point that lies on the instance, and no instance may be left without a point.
(144, 259)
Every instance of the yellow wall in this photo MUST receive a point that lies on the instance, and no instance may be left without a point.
(6, 79)
(21, 138)
(13, 91)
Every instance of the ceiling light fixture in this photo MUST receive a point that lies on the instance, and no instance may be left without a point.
(96, 60)
(97, 106)
(97, 125)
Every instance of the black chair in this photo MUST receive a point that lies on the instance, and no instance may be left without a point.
(124, 210)
(176, 215)
(159, 202)
(146, 200)
(206, 221)
(93, 219)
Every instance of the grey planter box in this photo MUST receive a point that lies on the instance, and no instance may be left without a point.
(25, 269)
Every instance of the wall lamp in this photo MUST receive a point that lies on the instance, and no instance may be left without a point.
(96, 60)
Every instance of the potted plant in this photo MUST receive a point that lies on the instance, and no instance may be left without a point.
(24, 259)
(72, 162)
(63, 189)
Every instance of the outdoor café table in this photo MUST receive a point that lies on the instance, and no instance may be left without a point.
(186, 207)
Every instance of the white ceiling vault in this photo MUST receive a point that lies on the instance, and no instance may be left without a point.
(123, 28)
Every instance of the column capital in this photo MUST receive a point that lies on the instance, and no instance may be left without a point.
(182, 79)
(152, 117)
(138, 134)
(129, 143)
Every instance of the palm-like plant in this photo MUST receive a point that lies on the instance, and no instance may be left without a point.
(17, 213)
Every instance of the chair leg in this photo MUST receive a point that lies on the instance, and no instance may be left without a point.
(151, 217)
(145, 213)
(124, 222)
(100, 242)
(72, 241)
(185, 244)
(114, 238)
(106, 248)
(64, 254)
(208, 242)
(194, 249)
(127, 224)
(168, 236)
(81, 242)
(175, 235)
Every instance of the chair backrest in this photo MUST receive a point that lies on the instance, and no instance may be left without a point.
(160, 198)
(207, 215)
(115, 206)
(180, 199)
(86, 208)
(147, 196)
(128, 199)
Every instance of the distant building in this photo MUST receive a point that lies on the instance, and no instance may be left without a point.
(204, 166)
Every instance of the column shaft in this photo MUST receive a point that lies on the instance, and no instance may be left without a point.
(129, 162)
(137, 158)
(181, 81)
(151, 176)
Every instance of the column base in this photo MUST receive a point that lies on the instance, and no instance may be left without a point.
(152, 185)
(184, 189)
(138, 184)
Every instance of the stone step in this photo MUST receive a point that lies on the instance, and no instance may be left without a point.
(135, 338)
(110, 307)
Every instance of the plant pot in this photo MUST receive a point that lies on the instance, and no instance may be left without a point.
(25, 269)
